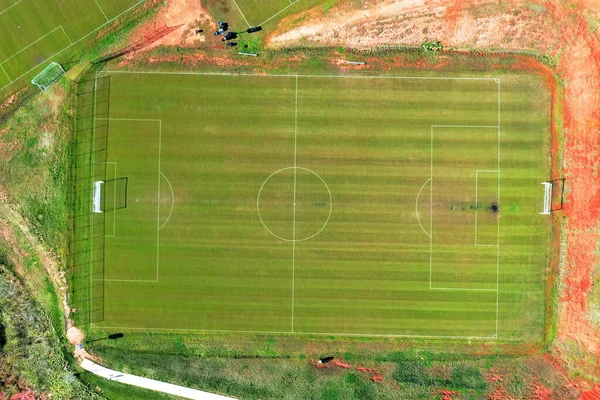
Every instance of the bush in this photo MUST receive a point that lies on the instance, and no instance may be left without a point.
(432, 47)
(464, 376)
(411, 372)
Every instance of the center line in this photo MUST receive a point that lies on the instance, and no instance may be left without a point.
(294, 220)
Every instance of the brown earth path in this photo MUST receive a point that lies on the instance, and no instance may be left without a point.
(564, 31)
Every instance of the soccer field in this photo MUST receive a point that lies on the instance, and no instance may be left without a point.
(34, 31)
(354, 205)
(259, 12)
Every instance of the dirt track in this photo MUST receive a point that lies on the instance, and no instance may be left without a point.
(562, 31)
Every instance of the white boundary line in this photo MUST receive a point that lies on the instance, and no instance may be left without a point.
(437, 78)
(240, 10)
(73, 43)
(305, 333)
(9, 7)
(268, 19)
(498, 247)
(477, 202)
(276, 14)
(294, 220)
(101, 10)
(497, 80)
(158, 199)
(92, 175)
(158, 205)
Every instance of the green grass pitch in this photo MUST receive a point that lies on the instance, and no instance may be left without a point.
(401, 206)
(34, 31)
(257, 12)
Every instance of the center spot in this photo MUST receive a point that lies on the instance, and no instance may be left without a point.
(294, 203)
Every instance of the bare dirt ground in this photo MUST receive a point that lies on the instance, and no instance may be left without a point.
(188, 13)
(567, 32)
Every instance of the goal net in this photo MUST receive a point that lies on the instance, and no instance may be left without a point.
(553, 195)
(110, 195)
(48, 76)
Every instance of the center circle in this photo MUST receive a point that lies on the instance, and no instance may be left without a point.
(294, 204)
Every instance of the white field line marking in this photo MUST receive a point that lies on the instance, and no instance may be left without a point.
(158, 195)
(158, 200)
(274, 15)
(273, 233)
(75, 42)
(303, 76)
(114, 197)
(431, 212)
(242, 14)
(477, 202)
(495, 336)
(31, 44)
(92, 172)
(294, 220)
(417, 207)
(9, 7)
(126, 280)
(431, 238)
(6, 73)
(115, 205)
(172, 200)
(498, 228)
(464, 289)
(65, 33)
(101, 10)
(305, 333)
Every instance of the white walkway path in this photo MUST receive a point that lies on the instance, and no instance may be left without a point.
(149, 383)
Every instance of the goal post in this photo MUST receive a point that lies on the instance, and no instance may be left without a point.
(547, 198)
(97, 196)
(48, 76)
(110, 195)
(554, 191)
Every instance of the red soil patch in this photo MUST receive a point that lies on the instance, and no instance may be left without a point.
(593, 394)
(189, 14)
(448, 394)
(27, 395)
(11, 99)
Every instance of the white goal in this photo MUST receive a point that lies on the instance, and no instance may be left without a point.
(48, 76)
(547, 198)
(97, 196)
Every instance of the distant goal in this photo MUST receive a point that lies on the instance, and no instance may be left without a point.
(554, 191)
(48, 76)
